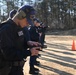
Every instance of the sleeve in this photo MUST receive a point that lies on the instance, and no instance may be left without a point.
(33, 34)
(9, 50)
(26, 34)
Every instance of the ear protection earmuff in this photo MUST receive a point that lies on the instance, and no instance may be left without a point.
(21, 15)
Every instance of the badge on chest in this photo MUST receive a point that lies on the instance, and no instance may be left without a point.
(20, 33)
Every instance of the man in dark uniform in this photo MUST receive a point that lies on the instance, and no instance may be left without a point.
(34, 36)
(42, 34)
(12, 40)
(27, 39)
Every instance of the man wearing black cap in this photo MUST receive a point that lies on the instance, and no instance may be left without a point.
(27, 39)
(34, 36)
(12, 40)
(3, 69)
(43, 28)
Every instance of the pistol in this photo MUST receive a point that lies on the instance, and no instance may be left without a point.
(37, 46)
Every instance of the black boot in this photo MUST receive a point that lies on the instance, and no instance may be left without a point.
(36, 69)
(33, 70)
(39, 55)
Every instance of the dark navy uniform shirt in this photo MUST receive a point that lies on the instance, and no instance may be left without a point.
(34, 34)
(27, 35)
(12, 42)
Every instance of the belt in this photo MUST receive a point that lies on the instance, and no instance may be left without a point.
(18, 63)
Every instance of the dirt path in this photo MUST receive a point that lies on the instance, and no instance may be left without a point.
(58, 58)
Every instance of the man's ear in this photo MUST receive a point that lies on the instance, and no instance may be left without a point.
(21, 15)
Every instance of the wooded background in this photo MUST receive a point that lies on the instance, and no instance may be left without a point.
(57, 14)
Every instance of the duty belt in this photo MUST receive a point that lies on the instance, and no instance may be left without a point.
(18, 63)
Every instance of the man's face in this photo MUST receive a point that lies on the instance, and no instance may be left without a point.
(30, 19)
(36, 23)
(24, 23)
